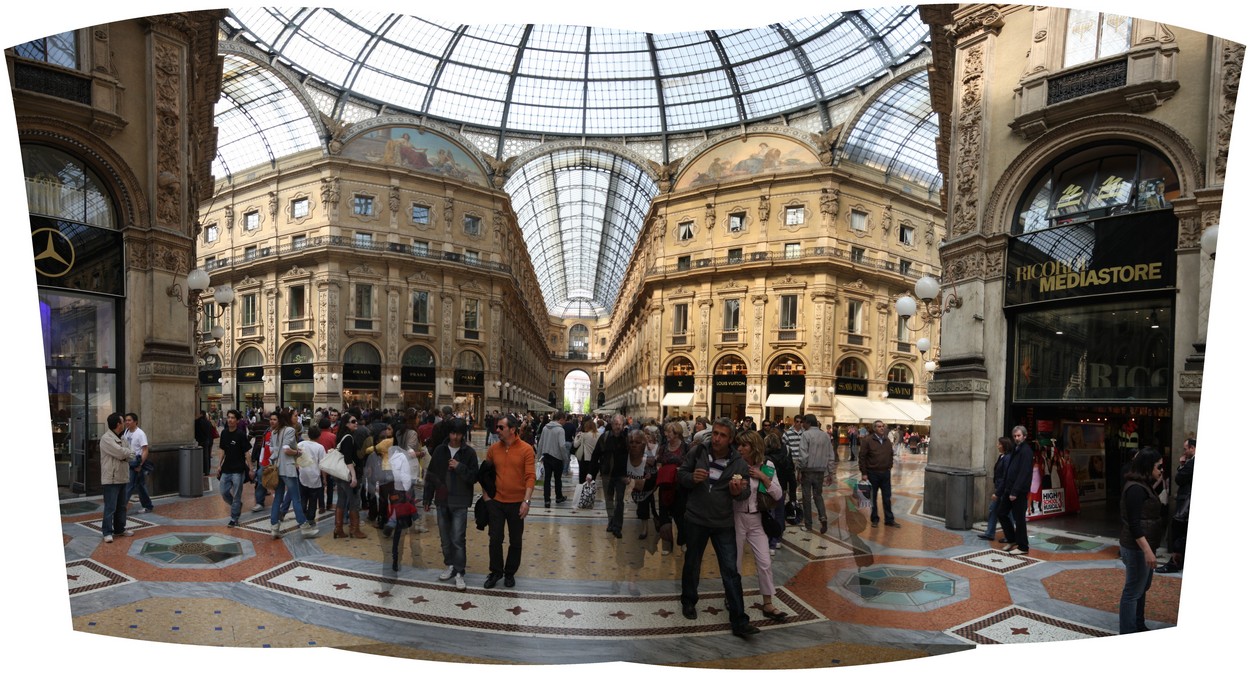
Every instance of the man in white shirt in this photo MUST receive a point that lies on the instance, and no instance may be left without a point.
(138, 441)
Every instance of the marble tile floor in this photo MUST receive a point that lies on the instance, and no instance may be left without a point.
(854, 595)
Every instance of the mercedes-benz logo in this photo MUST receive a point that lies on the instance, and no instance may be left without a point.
(54, 252)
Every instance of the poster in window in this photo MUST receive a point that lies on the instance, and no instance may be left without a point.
(1150, 194)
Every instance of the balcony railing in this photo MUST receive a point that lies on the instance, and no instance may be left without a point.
(577, 355)
(729, 336)
(817, 253)
(317, 244)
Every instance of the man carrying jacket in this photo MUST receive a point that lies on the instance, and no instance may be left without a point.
(876, 459)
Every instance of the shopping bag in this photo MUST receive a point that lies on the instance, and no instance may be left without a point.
(586, 494)
(334, 466)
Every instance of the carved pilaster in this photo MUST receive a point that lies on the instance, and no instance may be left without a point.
(271, 323)
(169, 104)
(965, 213)
(393, 323)
(1231, 55)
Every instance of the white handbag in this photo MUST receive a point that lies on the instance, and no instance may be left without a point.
(334, 465)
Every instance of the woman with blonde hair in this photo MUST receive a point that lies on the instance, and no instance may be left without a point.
(748, 513)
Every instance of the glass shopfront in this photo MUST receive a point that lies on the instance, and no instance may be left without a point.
(787, 383)
(469, 387)
(362, 377)
(417, 379)
(297, 377)
(729, 388)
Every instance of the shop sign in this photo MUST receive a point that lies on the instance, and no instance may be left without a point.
(469, 379)
(209, 377)
(297, 372)
(679, 384)
(900, 391)
(847, 386)
(359, 372)
(1129, 253)
(788, 384)
(731, 383)
(417, 377)
(250, 374)
(76, 256)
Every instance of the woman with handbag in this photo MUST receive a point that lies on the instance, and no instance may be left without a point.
(347, 493)
(753, 515)
(669, 496)
(286, 492)
(640, 473)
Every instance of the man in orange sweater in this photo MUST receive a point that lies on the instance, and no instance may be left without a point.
(513, 460)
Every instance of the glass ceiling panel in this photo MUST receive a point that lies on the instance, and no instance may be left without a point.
(259, 118)
(750, 44)
(699, 56)
(897, 133)
(485, 54)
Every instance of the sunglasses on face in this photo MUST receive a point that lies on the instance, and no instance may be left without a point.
(501, 427)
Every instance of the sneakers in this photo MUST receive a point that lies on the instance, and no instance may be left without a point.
(1018, 552)
(127, 533)
(147, 510)
(232, 523)
(447, 574)
(893, 524)
(460, 583)
(108, 538)
(258, 507)
(308, 529)
(275, 531)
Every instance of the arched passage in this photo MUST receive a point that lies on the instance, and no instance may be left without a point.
(577, 392)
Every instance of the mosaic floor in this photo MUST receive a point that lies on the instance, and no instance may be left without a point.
(853, 595)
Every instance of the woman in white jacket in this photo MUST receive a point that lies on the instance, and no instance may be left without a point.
(748, 529)
(584, 447)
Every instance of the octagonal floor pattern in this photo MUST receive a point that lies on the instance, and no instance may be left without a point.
(853, 594)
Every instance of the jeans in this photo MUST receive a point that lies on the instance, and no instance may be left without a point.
(138, 480)
(348, 497)
(261, 491)
(779, 513)
(813, 489)
(880, 481)
(114, 509)
(1011, 515)
(310, 498)
(726, 547)
(452, 522)
(1137, 580)
(991, 521)
(284, 494)
(231, 489)
(614, 501)
(553, 471)
(502, 513)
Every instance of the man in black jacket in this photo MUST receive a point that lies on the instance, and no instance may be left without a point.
(204, 437)
(611, 452)
(1013, 496)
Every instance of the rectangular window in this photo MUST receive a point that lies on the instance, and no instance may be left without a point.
(60, 49)
(211, 233)
(907, 235)
(904, 266)
(298, 241)
(903, 333)
(683, 262)
(859, 220)
(249, 309)
(1092, 35)
(470, 319)
(735, 255)
(363, 239)
(300, 208)
(731, 315)
(857, 255)
(362, 205)
(420, 312)
(680, 315)
(420, 214)
(210, 263)
(251, 220)
(685, 231)
(295, 303)
(420, 248)
(795, 214)
(788, 312)
(793, 251)
(854, 316)
(472, 225)
(364, 306)
(472, 257)
(737, 222)
(210, 320)
(249, 253)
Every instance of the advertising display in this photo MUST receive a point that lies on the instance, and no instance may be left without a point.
(1085, 443)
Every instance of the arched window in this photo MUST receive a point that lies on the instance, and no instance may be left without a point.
(730, 365)
(469, 360)
(579, 341)
(418, 356)
(297, 353)
(1096, 182)
(852, 368)
(250, 357)
(62, 187)
(899, 374)
(787, 365)
(680, 366)
(361, 353)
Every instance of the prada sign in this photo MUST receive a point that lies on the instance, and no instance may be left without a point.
(416, 377)
(297, 372)
(1129, 253)
(469, 379)
(902, 391)
(730, 383)
(679, 384)
(853, 387)
(366, 373)
(787, 384)
(250, 374)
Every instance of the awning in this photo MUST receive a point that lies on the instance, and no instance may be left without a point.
(920, 412)
(865, 410)
(677, 399)
(603, 410)
(541, 406)
(783, 401)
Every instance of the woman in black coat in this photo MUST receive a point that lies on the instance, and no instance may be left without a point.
(1141, 529)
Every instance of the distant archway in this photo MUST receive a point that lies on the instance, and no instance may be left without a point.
(577, 392)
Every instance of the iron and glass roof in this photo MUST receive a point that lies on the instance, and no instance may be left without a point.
(580, 210)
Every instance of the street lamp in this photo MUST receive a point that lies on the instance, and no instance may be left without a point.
(928, 290)
(220, 298)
